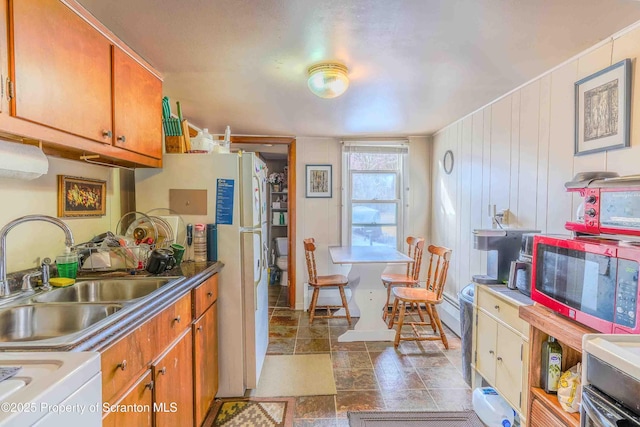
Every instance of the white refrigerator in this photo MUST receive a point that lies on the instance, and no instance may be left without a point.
(243, 320)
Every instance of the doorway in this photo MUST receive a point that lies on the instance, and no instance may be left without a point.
(278, 152)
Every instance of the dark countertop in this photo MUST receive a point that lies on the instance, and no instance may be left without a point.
(191, 274)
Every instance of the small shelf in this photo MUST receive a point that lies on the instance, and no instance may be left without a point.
(279, 192)
(279, 209)
(279, 225)
(551, 402)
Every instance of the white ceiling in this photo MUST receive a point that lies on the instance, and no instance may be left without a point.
(415, 65)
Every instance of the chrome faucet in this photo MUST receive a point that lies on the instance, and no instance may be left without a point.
(4, 283)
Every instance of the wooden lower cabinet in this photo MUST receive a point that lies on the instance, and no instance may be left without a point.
(169, 364)
(134, 409)
(205, 362)
(173, 385)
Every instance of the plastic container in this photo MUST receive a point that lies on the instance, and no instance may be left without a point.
(199, 243)
(491, 408)
(67, 264)
(203, 142)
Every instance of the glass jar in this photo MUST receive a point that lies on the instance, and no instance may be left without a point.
(199, 243)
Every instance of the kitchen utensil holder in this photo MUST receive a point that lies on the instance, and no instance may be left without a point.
(179, 143)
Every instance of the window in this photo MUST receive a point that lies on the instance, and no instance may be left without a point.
(374, 186)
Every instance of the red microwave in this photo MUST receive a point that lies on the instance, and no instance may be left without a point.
(589, 279)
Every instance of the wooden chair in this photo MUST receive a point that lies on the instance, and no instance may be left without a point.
(430, 296)
(410, 278)
(322, 282)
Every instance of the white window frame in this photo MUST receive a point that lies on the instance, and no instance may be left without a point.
(402, 183)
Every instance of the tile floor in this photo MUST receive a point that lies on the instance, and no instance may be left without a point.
(369, 375)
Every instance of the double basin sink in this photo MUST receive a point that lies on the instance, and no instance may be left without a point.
(66, 311)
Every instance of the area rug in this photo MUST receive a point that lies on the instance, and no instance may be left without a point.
(414, 419)
(296, 375)
(252, 412)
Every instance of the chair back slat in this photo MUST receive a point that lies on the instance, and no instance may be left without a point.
(415, 249)
(438, 269)
(309, 252)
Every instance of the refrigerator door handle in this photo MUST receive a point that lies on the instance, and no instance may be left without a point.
(261, 259)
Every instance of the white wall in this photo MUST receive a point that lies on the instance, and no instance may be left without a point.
(320, 218)
(517, 153)
(30, 242)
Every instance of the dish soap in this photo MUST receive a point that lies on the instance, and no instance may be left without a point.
(551, 365)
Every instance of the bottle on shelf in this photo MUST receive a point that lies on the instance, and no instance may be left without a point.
(199, 243)
(551, 368)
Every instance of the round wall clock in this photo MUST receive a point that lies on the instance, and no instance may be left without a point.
(447, 162)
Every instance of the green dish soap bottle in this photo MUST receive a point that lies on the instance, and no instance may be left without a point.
(551, 368)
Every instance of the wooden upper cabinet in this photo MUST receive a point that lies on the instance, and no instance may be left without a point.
(61, 69)
(137, 98)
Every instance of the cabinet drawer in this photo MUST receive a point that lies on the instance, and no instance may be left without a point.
(205, 295)
(138, 396)
(123, 362)
(502, 310)
(171, 322)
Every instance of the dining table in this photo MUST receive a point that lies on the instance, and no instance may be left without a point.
(368, 294)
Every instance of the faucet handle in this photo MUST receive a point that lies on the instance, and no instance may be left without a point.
(26, 281)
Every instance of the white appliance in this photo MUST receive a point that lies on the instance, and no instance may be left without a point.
(57, 389)
(243, 321)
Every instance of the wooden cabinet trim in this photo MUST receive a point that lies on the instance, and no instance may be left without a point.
(141, 393)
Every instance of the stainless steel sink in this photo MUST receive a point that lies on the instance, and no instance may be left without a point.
(32, 322)
(104, 290)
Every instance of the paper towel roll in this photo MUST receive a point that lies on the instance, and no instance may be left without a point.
(21, 161)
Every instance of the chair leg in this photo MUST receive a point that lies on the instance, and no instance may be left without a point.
(385, 310)
(344, 303)
(437, 320)
(420, 312)
(430, 314)
(393, 313)
(312, 307)
(396, 342)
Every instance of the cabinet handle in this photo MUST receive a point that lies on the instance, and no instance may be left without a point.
(106, 134)
(163, 370)
(499, 359)
(149, 385)
(209, 294)
(491, 352)
(177, 319)
(122, 138)
(199, 328)
(122, 365)
(497, 307)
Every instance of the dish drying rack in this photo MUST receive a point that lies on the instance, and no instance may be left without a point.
(137, 235)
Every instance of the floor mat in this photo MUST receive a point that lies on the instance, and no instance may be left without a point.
(414, 419)
(296, 375)
(252, 412)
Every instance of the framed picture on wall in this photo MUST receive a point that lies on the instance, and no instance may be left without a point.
(319, 181)
(603, 108)
(81, 197)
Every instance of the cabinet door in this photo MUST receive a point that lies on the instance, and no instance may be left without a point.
(509, 365)
(486, 347)
(139, 396)
(205, 362)
(173, 385)
(61, 69)
(137, 99)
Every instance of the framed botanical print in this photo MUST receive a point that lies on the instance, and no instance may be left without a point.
(81, 197)
(603, 109)
(319, 181)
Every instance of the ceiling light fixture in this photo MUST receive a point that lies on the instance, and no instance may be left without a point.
(328, 79)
